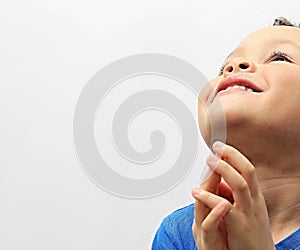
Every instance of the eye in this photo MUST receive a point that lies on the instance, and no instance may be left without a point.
(221, 71)
(278, 56)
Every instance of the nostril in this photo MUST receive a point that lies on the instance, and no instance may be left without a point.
(230, 68)
(243, 66)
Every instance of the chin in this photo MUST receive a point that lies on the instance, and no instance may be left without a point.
(213, 125)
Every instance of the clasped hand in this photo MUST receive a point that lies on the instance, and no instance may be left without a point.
(230, 210)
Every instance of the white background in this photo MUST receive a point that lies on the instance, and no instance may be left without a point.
(48, 51)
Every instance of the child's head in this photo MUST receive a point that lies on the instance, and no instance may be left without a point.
(259, 90)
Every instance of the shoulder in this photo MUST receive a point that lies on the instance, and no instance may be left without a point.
(180, 218)
(292, 242)
(175, 231)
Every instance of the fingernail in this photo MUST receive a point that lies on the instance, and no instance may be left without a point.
(218, 146)
(196, 191)
(212, 161)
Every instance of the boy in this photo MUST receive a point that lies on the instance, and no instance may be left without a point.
(251, 200)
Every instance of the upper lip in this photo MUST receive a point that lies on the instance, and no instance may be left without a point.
(237, 80)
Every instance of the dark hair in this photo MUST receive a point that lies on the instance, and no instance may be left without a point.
(281, 21)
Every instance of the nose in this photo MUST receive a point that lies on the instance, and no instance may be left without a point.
(239, 66)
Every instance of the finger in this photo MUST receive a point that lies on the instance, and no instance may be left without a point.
(240, 163)
(225, 191)
(211, 223)
(211, 182)
(200, 211)
(208, 199)
(219, 206)
(240, 190)
(211, 185)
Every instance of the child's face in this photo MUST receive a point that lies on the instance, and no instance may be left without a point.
(269, 59)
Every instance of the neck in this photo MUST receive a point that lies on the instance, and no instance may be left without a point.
(278, 173)
(282, 198)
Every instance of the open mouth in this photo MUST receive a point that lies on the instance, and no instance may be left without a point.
(233, 84)
(238, 87)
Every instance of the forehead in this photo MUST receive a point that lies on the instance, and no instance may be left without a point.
(272, 36)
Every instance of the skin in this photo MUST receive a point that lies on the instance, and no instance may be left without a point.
(253, 192)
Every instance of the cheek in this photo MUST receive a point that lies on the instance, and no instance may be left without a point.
(286, 78)
(282, 109)
(284, 89)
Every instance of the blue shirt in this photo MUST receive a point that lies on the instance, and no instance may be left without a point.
(175, 232)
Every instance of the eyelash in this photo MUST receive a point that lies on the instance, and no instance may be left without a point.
(279, 55)
(275, 55)
(222, 68)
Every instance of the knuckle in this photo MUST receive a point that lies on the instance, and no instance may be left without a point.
(205, 228)
(242, 186)
(251, 171)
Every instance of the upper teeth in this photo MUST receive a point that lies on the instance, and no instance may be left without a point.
(240, 87)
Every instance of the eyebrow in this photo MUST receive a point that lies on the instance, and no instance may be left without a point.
(275, 42)
(286, 42)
